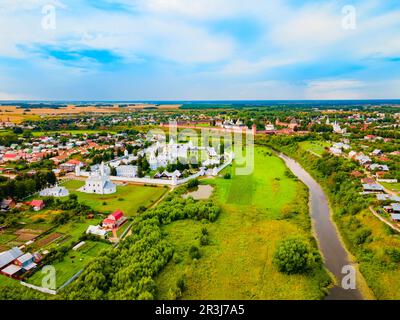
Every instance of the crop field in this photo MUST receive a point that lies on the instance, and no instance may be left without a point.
(73, 262)
(237, 264)
(128, 198)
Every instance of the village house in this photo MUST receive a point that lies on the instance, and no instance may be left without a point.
(7, 257)
(70, 165)
(97, 231)
(7, 204)
(26, 261)
(381, 167)
(114, 220)
(372, 187)
(37, 205)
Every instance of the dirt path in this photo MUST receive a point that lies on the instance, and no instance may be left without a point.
(383, 220)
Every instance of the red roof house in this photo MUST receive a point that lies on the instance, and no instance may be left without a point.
(114, 220)
(37, 204)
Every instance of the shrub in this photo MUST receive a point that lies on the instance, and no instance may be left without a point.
(227, 176)
(181, 284)
(295, 256)
(362, 235)
(194, 252)
(394, 254)
(193, 183)
(177, 258)
(204, 231)
(204, 240)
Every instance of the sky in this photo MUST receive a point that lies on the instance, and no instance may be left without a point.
(199, 49)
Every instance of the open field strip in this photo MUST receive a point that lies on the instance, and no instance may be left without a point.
(255, 216)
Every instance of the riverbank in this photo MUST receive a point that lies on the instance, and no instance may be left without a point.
(331, 245)
(346, 213)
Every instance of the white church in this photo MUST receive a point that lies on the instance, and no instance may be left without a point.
(99, 182)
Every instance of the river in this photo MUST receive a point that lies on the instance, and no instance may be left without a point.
(334, 254)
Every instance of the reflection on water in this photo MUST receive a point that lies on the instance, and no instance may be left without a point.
(335, 255)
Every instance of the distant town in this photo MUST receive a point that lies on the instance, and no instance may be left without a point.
(81, 187)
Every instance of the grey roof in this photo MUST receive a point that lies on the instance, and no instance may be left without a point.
(9, 256)
(11, 269)
(26, 257)
(396, 207)
(382, 197)
(373, 186)
(30, 266)
(395, 216)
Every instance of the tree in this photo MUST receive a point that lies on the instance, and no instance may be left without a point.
(295, 256)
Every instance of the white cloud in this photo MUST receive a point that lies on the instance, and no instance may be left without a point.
(335, 89)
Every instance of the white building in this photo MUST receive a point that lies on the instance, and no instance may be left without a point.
(127, 171)
(97, 231)
(99, 182)
(54, 192)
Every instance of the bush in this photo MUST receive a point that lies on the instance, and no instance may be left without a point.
(362, 235)
(177, 258)
(295, 256)
(394, 254)
(227, 176)
(181, 284)
(204, 231)
(194, 252)
(204, 240)
(193, 183)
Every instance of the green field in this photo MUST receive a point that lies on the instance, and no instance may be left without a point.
(73, 262)
(127, 198)
(316, 147)
(237, 264)
(392, 186)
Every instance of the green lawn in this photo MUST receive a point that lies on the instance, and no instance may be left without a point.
(127, 198)
(73, 262)
(238, 262)
(316, 147)
(392, 186)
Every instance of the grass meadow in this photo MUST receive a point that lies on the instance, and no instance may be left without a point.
(237, 264)
(316, 147)
(128, 198)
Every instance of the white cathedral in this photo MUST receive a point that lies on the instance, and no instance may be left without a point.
(99, 182)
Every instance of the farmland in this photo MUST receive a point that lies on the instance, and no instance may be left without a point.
(258, 211)
(128, 198)
(73, 262)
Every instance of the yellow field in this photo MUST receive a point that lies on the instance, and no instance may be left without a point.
(17, 115)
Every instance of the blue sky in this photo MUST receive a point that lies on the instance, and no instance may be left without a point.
(200, 50)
